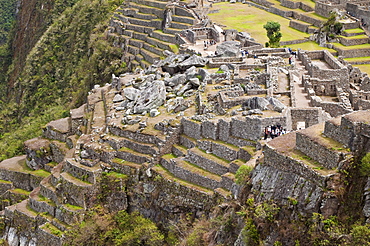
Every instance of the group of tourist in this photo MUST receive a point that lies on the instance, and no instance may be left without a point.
(208, 43)
(274, 131)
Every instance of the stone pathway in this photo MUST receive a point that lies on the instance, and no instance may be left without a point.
(301, 97)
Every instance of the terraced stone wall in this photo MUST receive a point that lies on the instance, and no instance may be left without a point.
(324, 9)
(360, 13)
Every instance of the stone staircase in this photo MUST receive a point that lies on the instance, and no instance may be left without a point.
(145, 28)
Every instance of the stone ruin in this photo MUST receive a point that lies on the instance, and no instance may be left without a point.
(175, 133)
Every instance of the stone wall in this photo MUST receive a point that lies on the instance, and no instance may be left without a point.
(310, 116)
(350, 42)
(288, 164)
(325, 156)
(303, 27)
(354, 9)
(324, 8)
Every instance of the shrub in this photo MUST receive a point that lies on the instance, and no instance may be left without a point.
(365, 165)
(242, 175)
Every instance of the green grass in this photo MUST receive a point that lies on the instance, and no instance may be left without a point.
(353, 59)
(41, 173)
(360, 46)
(117, 175)
(356, 30)
(317, 17)
(364, 68)
(20, 191)
(72, 207)
(251, 19)
(355, 37)
(5, 181)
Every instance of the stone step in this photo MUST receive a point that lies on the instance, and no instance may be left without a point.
(74, 190)
(139, 57)
(159, 34)
(85, 173)
(189, 172)
(98, 119)
(144, 64)
(133, 50)
(180, 25)
(135, 64)
(51, 233)
(24, 209)
(125, 167)
(149, 56)
(140, 147)
(144, 9)
(224, 193)
(354, 40)
(136, 43)
(41, 204)
(152, 3)
(140, 36)
(138, 28)
(206, 161)
(15, 195)
(159, 43)
(227, 181)
(187, 141)
(48, 190)
(324, 150)
(172, 30)
(350, 32)
(184, 19)
(69, 214)
(153, 49)
(140, 22)
(133, 156)
(221, 149)
(135, 12)
(179, 150)
(128, 33)
(169, 176)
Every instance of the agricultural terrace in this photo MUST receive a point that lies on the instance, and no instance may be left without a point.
(245, 18)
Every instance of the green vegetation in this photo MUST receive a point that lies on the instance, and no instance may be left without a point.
(251, 19)
(119, 229)
(242, 174)
(273, 33)
(365, 165)
(7, 16)
(57, 77)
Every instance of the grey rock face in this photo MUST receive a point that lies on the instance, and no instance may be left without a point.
(131, 93)
(228, 49)
(194, 60)
(152, 97)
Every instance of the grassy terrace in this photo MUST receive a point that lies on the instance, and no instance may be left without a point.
(356, 30)
(251, 19)
(364, 68)
(356, 37)
(310, 46)
(343, 47)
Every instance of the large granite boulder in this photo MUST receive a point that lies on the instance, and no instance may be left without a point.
(228, 49)
(256, 103)
(194, 60)
(276, 105)
(151, 97)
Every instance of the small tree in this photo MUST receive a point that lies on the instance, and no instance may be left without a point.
(273, 33)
